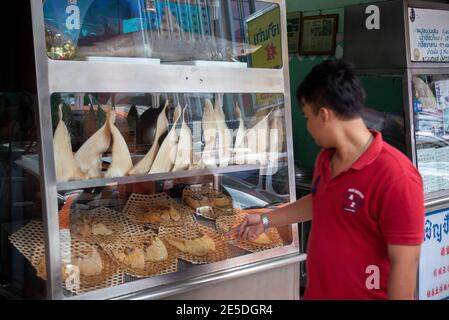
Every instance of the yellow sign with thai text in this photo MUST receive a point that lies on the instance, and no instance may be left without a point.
(265, 30)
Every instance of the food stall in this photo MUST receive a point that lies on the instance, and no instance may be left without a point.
(161, 125)
(402, 46)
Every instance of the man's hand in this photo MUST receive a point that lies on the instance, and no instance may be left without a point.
(249, 229)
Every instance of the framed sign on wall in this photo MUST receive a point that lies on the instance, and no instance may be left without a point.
(293, 25)
(318, 34)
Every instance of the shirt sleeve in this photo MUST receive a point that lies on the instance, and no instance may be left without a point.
(401, 216)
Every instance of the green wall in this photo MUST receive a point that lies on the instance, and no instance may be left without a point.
(304, 146)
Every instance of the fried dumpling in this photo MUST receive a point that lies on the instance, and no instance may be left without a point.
(121, 158)
(131, 257)
(88, 157)
(156, 251)
(144, 165)
(209, 135)
(240, 150)
(65, 163)
(197, 247)
(166, 155)
(99, 229)
(89, 262)
(224, 136)
(263, 239)
(185, 146)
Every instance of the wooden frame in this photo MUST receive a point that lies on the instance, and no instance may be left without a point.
(312, 48)
(293, 30)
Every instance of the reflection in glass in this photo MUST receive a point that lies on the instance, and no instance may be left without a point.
(180, 32)
(431, 109)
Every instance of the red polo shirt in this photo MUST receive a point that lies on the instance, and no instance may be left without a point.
(377, 202)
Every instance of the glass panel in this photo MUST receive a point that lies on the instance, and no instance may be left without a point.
(21, 229)
(178, 32)
(431, 109)
(133, 166)
(385, 108)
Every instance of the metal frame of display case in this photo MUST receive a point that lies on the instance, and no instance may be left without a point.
(407, 69)
(76, 76)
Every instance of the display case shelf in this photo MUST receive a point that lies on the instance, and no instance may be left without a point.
(93, 76)
(81, 184)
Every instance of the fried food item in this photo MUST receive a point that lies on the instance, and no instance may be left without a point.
(65, 164)
(195, 201)
(160, 214)
(174, 214)
(87, 226)
(197, 247)
(263, 239)
(89, 262)
(130, 256)
(42, 269)
(220, 201)
(99, 229)
(156, 251)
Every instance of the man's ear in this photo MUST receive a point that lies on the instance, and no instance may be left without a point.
(325, 114)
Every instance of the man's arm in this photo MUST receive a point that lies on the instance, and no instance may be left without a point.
(252, 227)
(403, 274)
(296, 212)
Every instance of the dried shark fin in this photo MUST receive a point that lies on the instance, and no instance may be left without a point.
(89, 155)
(166, 156)
(185, 146)
(240, 148)
(121, 158)
(276, 138)
(209, 135)
(224, 136)
(144, 165)
(258, 142)
(65, 164)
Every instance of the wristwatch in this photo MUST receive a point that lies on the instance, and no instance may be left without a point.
(265, 222)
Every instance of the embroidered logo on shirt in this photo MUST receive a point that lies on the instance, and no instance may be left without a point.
(353, 200)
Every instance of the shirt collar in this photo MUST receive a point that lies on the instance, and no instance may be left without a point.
(371, 154)
(368, 157)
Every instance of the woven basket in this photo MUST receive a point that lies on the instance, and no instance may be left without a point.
(221, 247)
(152, 268)
(137, 204)
(29, 240)
(109, 277)
(210, 211)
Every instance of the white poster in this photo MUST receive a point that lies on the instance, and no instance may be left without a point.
(434, 260)
(427, 167)
(429, 34)
(442, 161)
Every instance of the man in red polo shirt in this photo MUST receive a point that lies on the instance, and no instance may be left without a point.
(367, 201)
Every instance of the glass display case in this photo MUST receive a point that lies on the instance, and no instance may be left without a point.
(160, 128)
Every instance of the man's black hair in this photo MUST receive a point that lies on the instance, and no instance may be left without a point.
(333, 84)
